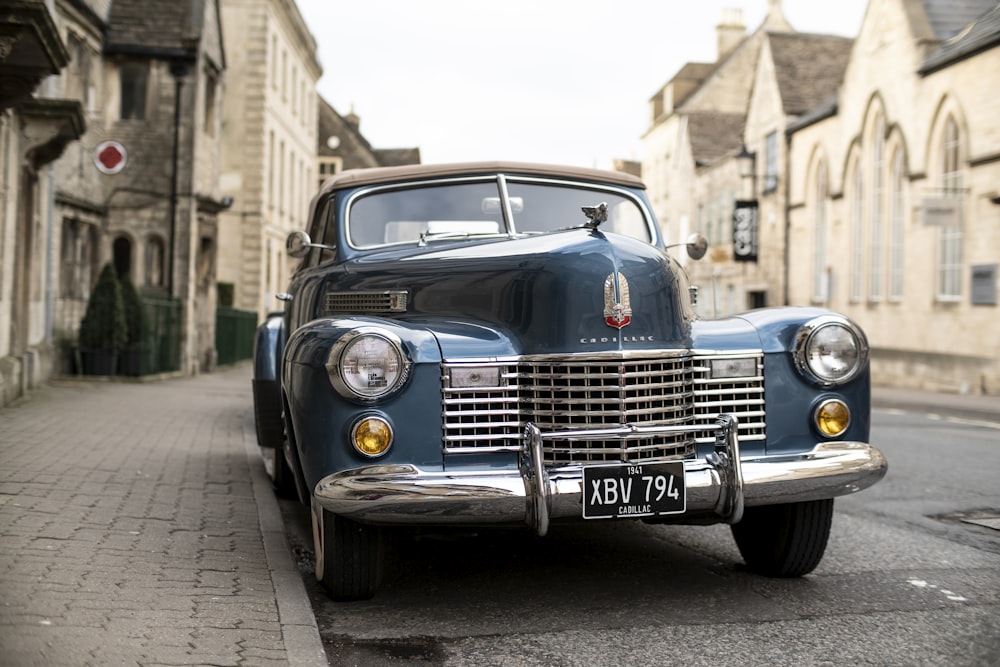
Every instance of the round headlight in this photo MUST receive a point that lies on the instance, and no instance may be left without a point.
(830, 350)
(367, 364)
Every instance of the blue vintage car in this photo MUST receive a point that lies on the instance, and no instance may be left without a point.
(497, 344)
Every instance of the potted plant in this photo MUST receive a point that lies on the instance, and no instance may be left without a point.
(130, 359)
(102, 329)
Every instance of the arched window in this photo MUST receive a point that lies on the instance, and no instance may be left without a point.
(876, 264)
(897, 233)
(121, 252)
(821, 287)
(857, 234)
(949, 282)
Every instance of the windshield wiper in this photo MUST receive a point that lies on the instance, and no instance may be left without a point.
(439, 236)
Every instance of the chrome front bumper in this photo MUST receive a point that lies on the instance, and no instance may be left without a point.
(718, 486)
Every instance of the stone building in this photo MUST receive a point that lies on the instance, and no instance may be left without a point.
(871, 167)
(705, 117)
(342, 146)
(269, 130)
(895, 194)
(36, 125)
(139, 85)
(163, 68)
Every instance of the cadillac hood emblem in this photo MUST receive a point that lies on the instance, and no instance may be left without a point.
(617, 303)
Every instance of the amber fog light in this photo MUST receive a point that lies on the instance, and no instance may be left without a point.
(371, 436)
(832, 417)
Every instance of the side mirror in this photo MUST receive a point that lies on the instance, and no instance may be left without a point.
(297, 244)
(697, 246)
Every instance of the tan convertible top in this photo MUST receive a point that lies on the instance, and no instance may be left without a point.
(355, 177)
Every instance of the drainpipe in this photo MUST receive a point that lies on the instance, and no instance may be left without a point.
(50, 223)
(788, 217)
(179, 69)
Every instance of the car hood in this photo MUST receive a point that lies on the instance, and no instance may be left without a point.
(554, 293)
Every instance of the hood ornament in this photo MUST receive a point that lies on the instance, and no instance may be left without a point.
(617, 302)
(596, 215)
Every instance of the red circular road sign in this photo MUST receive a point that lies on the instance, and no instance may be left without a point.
(110, 157)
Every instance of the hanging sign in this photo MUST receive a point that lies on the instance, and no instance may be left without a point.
(941, 211)
(110, 157)
(745, 226)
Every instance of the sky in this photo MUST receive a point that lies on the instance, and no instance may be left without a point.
(555, 81)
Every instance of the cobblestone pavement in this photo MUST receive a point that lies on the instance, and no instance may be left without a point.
(137, 526)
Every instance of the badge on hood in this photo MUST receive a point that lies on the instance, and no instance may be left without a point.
(617, 303)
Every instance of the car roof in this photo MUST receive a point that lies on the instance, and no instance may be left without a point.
(355, 177)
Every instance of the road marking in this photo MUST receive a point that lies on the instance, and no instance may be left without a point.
(954, 597)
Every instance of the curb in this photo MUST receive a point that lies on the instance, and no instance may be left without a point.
(978, 408)
(299, 631)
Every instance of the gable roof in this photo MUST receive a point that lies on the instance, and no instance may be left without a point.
(808, 67)
(166, 28)
(949, 17)
(713, 135)
(351, 146)
(981, 35)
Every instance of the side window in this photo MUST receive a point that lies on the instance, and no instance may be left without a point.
(322, 231)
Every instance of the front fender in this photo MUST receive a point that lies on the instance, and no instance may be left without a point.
(268, 344)
(267, 347)
(321, 418)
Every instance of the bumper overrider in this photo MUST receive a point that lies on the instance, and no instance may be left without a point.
(718, 487)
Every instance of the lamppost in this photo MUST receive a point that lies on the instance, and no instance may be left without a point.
(745, 211)
(747, 161)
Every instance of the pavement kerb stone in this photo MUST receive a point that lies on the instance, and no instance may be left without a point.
(298, 623)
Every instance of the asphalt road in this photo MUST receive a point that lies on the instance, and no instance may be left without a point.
(911, 577)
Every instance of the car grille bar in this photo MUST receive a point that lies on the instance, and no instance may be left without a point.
(599, 410)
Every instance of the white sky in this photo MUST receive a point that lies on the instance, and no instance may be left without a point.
(557, 81)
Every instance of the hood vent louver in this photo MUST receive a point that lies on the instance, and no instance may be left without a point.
(389, 301)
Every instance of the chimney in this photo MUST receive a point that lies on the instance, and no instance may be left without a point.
(730, 32)
(353, 119)
(775, 20)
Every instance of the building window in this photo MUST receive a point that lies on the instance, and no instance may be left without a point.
(820, 280)
(328, 166)
(771, 162)
(898, 230)
(274, 62)
(121, 253)
(134, 78)
(877, 244)
(210, 104)
(77, 259)
(281, 178)
(950, 239)
(284, 75)
(155, 256)
(857, 234)
(271, 164)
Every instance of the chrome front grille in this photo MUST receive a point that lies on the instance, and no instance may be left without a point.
(574, 393)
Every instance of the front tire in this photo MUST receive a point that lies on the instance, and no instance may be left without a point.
(349, 555)
(784, 540)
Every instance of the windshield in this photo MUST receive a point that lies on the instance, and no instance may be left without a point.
(455, 210)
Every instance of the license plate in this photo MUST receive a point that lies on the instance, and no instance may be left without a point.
(619, 491)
